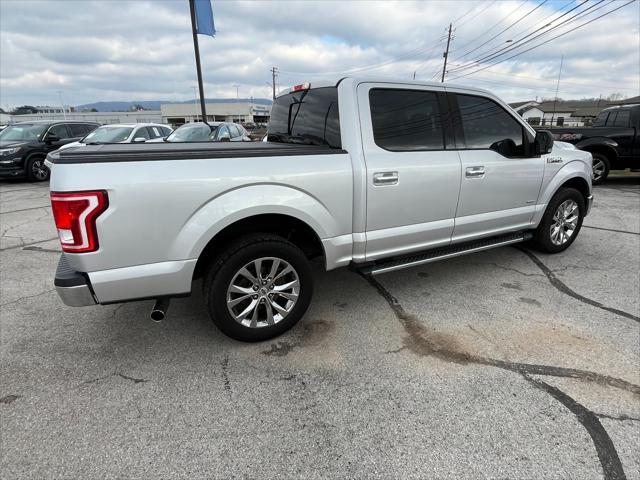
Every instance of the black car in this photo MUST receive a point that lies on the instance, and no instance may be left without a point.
(613, 140)
(24, 146)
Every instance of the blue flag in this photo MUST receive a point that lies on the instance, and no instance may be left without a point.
(204, 18)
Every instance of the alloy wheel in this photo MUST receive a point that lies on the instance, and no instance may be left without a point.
(565, 222)
(599, 168)
(39, 170)
(263, 292)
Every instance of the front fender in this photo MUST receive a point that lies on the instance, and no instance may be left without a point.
(231, 206)
(554, 180)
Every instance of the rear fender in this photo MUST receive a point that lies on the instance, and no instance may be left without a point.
(234, 205)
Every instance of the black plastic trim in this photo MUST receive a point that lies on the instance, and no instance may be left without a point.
(68, 277)
(194, 151)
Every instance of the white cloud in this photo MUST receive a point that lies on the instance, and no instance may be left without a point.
(126, 50)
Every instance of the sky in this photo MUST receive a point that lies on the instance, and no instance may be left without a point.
(143, 50)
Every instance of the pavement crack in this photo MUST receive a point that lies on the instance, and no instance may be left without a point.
(611, 230)
(225, 373)
(26, 297)
(115, 374)
(563, 288)
(34, 248)
(611, 465)
(620, 418)
(26, 209)
(7, 399)
(425, 342)
(22, 244)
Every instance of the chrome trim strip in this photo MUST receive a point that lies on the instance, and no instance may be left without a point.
(442, 257)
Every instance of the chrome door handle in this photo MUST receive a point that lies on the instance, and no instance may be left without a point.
(385, 178)
(474, 172)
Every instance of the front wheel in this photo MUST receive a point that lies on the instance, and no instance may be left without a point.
(37, 171)
(561, 221)
(600, 168)
(258, 288)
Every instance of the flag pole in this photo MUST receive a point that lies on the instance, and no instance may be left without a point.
(197, 50)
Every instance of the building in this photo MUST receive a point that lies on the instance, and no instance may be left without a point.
(240, 112)
(565, 113)
(145, 116)
(48, 109)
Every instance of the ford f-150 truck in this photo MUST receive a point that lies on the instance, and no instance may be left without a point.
(363, 172)
(613, 140)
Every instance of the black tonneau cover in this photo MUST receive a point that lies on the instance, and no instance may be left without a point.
(135, 152)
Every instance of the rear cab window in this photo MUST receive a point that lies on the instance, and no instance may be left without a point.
(406, 120)
(306, 117)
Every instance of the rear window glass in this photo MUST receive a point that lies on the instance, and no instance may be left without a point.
(308, 117)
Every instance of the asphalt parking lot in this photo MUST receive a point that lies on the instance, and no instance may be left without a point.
(502, 364)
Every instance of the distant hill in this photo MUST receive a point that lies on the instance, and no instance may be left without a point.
(155, 104)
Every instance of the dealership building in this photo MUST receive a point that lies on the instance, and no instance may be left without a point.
(238, 112)
(174, 114)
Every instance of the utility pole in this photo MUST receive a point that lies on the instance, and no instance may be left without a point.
(555, 100)
(274, 73)
(446, 55)
(64, 112)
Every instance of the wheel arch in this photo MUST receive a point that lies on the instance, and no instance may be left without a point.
(286, 226)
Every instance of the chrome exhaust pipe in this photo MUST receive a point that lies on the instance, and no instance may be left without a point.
(159, 310)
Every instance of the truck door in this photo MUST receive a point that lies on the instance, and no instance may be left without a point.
(500, 179)
(622, 133)
(413, 173)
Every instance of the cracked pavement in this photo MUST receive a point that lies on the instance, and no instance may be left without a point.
(501, 364)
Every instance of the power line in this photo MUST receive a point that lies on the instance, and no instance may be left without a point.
(546, 41)
(509, 27)
(488, 56)
(477, 13)
(491, 28)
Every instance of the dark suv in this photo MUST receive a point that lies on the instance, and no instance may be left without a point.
(24, 146)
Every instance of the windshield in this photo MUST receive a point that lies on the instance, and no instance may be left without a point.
(193, 132)
(307, 116)
(23, 132)
(108, 135)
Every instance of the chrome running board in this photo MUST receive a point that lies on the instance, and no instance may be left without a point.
(456, 250)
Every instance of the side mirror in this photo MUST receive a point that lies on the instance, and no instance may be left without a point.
(50, 138)
(139, 140)
(543, 143)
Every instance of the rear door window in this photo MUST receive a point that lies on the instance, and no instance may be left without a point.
(60, 131)
(622, 120)
(306, 116)
(486, 125)
(78, 130)
(142, 133)
(406, 120)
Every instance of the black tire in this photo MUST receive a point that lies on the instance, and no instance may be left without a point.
(601, 163)
(542, 239)
(36, 170)
(231, 260)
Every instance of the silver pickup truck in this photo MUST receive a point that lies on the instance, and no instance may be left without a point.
(372, 173)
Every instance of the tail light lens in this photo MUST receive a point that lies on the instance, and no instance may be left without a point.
(75, 214)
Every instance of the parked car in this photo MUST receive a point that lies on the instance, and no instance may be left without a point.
(400, 174)
(24, 146)
(122, 133)
(207, 132)
(613, 140)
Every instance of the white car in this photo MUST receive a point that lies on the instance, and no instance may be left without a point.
(122, 133)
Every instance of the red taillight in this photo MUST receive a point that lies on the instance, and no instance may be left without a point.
(75, 215)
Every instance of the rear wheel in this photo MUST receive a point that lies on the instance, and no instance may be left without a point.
(258, 288)
(600, 168)
(561, 221)
(37, 171)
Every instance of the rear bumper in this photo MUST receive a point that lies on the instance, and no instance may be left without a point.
(74, 288)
